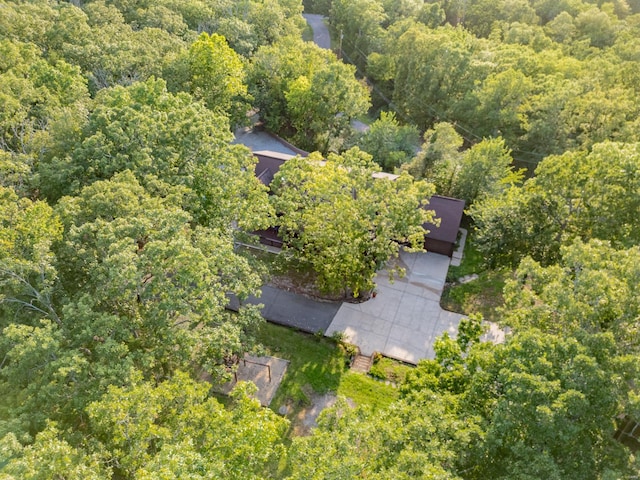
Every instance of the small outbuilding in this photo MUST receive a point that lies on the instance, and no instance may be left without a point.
(442, 238)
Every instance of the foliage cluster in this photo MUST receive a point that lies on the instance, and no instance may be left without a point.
(547, 77)
(121, 197)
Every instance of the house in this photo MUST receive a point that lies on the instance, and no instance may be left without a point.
(442, 238)
(268, 164)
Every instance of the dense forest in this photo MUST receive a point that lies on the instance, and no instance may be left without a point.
(123, 199)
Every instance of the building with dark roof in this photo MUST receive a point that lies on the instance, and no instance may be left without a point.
(268, 164)
(442, 238)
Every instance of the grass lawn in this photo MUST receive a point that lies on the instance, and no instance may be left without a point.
(364, 390)
(482, 295)
(316, 363)
(319, 365)
(472, 262)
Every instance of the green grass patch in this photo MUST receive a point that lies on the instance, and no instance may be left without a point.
(364, 390)
(316, 363)
(472, 262)
(482, 295)
(389, 369)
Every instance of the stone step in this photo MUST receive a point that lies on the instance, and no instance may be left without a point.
(362, 363)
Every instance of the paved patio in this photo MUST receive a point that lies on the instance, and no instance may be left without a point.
(405, 317)
(265, 372)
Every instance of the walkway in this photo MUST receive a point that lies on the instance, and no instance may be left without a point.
(405, 317)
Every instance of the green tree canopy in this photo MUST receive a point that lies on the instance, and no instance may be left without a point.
(216, 76)
(542, 405)
(389, 143)
(338, 219)
(161, 136)
(576, 195)
(320, 107)
(409, 440)
(305, 93)
(133, 284)
(591, 289)
(176, 430)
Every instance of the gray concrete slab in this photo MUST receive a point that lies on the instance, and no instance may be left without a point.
(456, 258)
(265, 372)
(404, 319)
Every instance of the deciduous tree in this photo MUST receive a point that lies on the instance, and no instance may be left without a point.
(176, 430)
(576, 195)
(390, 144)
(343, 223)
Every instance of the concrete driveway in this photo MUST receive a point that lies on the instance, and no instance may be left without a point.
(405, 317)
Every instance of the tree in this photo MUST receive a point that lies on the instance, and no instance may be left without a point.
(49, 457)
(161, 138)
(502, 99)
(176, 430)
(483, 170)
(591, 289)
(512, 225)
(34, 93)
(553, 401)
(216, 76)
(390, 144)
(576, 195)
(541, 405)
(343, 223)
(435, 70)
(135, 284)
(358, 23)
(27, 273)
(481, 16)
(139, 258)
(305, 93)
(596, 26)
(416, 439)
(108, 50)
(441, 146)
(321, 106)
(486, 169)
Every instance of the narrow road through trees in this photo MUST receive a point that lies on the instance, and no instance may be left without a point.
(320, 31)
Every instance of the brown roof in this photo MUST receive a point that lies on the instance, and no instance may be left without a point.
(268, 164)
(449, 211)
